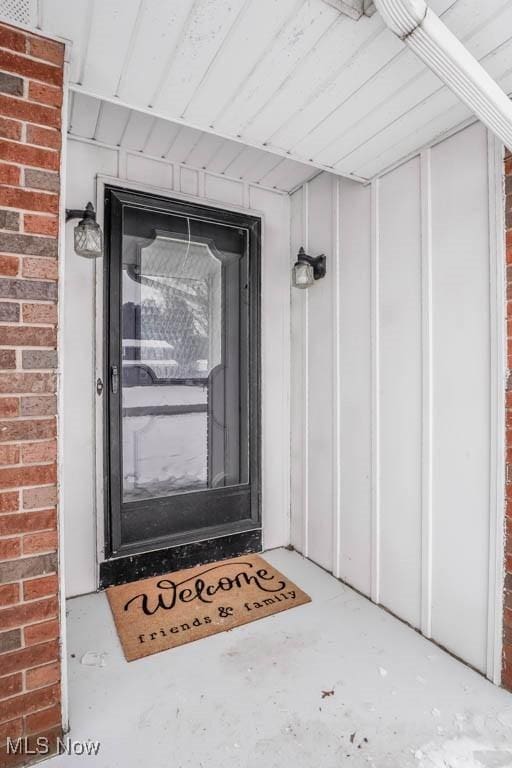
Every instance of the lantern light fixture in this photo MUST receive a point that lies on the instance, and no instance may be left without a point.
(307, 269)
(88, 237)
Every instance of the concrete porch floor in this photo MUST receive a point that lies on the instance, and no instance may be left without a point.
(253, 697)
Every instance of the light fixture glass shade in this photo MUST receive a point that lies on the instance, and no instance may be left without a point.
(303, 275)
(88, 239)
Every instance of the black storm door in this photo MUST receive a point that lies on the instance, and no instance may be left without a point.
(182, 373)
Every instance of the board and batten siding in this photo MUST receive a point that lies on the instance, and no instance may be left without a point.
(85, 162)
(397, 373)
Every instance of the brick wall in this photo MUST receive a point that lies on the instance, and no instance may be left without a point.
(31, 73)
(507, 629)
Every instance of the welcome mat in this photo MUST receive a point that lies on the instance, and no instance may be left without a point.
(166, 611)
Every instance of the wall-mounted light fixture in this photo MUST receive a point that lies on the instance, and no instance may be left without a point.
(307, 269)
(88, 238)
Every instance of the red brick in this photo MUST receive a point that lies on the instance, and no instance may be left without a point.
(43, 269)
(23, 522)
(38, 359)
(11, 129)
(24, 290)
(13, 39)
(7, 359)
(507, 618)
(9, 502)
(9, 407)
(51, 738)
(9, 174)
(40, 633)
(9, 454)
(29, 429)
(30, 94)
(33, 382)
(28, 200)
(41, 676)
(45, 94)
(28, 703)
(17, 570)
(35, 543)
(39, 405)
(19, 65)
(9, 593)
(29, 245)
(27, 336)
(36, 453)
(28, 155)
(9, 313)
(19, 477)
(9, 549)
(12, 729)
(41, 225)
(29, 111)
(48, 181)
(40, 587)
(40, 313)
(39, 498)
(44, 137)
(28, 613)
(11, 685)
(9, 266)
(49, 50)
(44, 719)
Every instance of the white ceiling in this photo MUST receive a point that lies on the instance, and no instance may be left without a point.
(293, 76)
(118, 126)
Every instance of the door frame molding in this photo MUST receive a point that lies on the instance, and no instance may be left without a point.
(100, 480)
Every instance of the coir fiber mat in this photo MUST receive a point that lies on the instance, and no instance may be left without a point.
(166, 611)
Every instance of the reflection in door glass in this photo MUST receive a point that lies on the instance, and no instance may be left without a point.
(184, 372)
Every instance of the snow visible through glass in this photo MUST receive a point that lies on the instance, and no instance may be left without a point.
(172, 340)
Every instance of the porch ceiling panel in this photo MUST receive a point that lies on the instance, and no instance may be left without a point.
(118, 126)
(294, 77)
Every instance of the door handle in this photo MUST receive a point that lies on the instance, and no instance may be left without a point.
(114, 379)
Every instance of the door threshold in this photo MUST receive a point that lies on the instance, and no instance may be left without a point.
(121, 570)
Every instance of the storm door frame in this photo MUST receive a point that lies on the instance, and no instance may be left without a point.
(119, 561)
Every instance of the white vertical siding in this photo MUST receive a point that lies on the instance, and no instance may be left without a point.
(84, 162)
(78, 334)
(461, 381)
(275, 364)
(411, 322)
(400, 372)
(298, 369)
(355, 389)
(320, 394)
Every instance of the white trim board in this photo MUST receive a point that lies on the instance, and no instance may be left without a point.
(497, 302)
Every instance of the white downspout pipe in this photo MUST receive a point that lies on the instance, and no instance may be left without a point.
(424, 32)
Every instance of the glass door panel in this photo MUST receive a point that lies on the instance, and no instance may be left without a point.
(183, 364)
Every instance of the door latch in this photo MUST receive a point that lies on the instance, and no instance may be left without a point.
(99, 387)
(114, 379)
